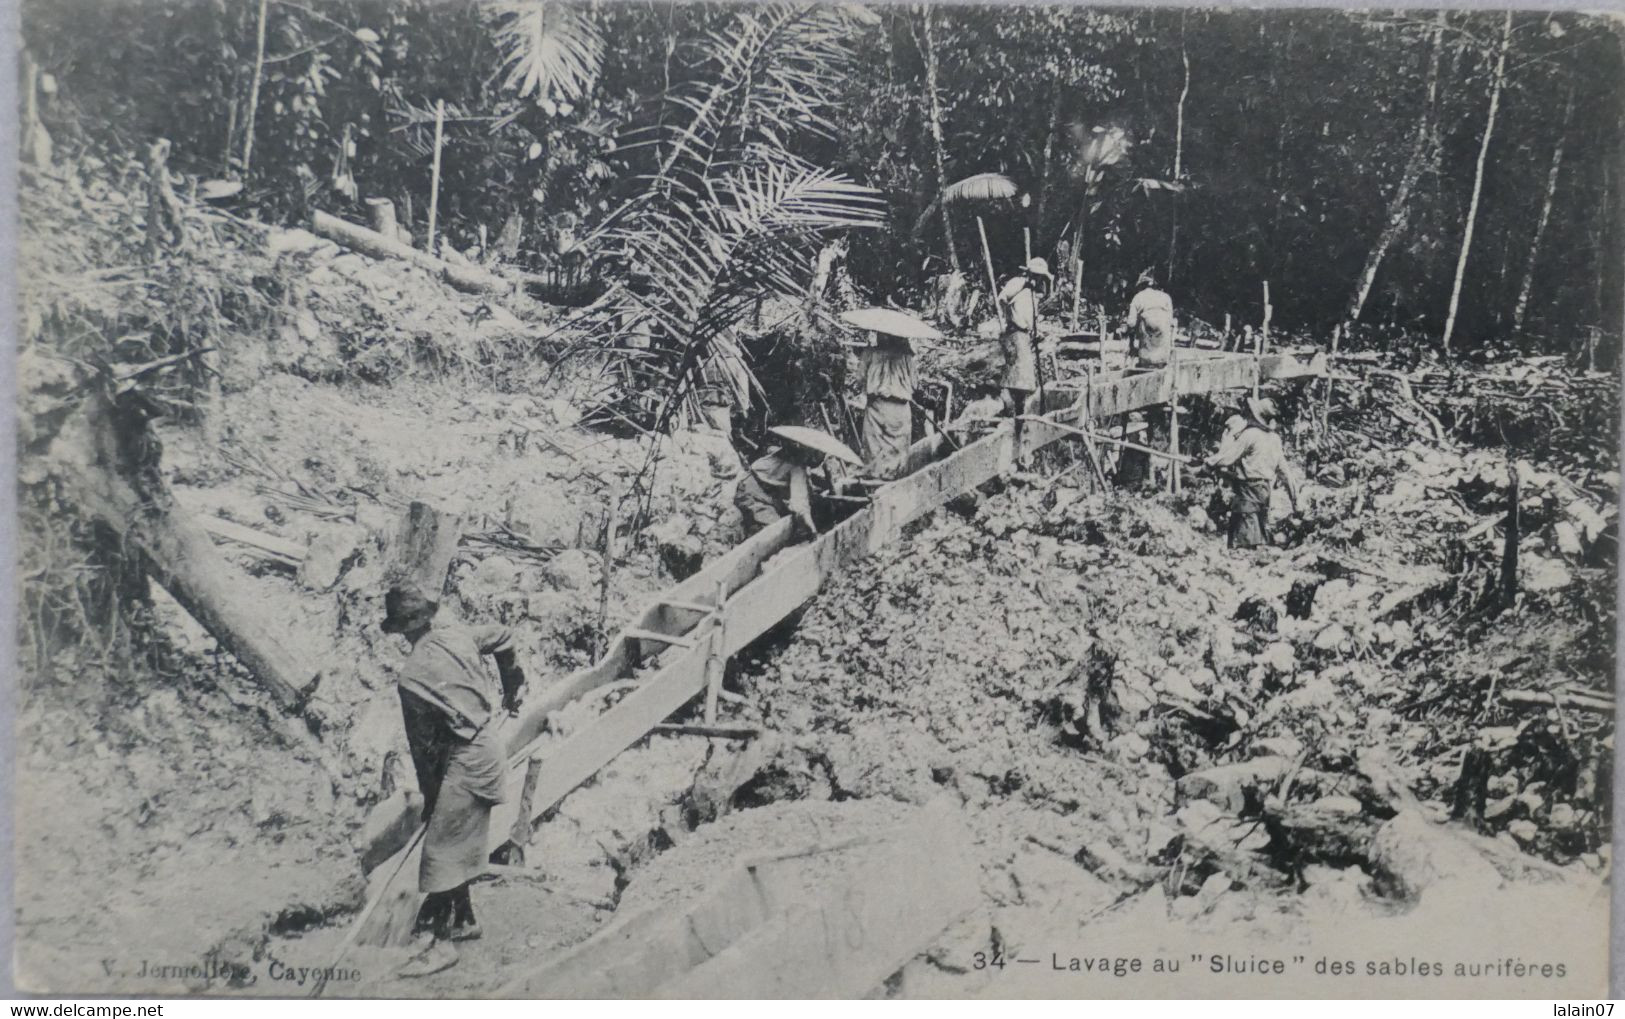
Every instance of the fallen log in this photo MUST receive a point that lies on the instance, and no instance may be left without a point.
(468, 278)
(106, 461)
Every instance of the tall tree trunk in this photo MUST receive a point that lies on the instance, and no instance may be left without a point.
(1399, 204)
(1478, 178)
(254, 91)
(1049, 153)
(1179, 143)
(936, 137)
(1522, 307)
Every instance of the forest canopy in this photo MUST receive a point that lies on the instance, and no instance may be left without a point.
(1454, 174)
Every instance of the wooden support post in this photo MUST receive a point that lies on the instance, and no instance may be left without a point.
(992, 277)
(1224, 338)
(716, 660)
(1326, 404)
(434, 178)
(521, 833)
(1101, 437)
(606, 571)
(1173, 419)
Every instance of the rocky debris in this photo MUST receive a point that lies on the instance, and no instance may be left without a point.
(329, 554)
(1416, 855)
(574, 569)
(1232, 786)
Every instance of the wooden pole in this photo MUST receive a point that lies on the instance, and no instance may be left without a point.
(434, 180)
(992, 277)
(1262, 339)
(716, 659)
(1077, 280)
(605, 573)
(1173, 418)
(1326, 404)
(468, 278)
(254, 91)
(1102, 437)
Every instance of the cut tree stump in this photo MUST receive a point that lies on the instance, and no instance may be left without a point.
(422, 548)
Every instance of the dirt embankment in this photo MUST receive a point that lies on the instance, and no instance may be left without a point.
(349, 389)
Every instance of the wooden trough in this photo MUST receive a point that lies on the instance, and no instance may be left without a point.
(779, 925)
(734, 600)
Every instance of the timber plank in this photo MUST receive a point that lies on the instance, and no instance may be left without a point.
(849, 934)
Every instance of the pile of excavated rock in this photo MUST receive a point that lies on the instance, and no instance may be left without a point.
(1105, 667)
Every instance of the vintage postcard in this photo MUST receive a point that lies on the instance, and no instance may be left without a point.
(785, 499)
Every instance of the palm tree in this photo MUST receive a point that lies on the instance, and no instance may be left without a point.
(550, 49)
(730, 214)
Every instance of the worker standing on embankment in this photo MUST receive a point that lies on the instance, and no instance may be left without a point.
(1151, 342)
(1018, 304)
(1253, 459)
(889, 377)
(451, 711)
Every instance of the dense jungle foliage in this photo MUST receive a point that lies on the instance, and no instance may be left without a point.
(1453, 175)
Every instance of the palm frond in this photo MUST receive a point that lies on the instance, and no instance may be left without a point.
(696, 269)
(550, 49)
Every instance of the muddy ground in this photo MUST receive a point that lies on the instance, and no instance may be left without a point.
(1138, 725)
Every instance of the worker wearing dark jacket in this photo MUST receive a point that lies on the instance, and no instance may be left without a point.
(1253, 459)
(452, 712)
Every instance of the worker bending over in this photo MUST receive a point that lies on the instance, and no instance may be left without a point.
(1252, 459)
(776, 485)
(452, 712)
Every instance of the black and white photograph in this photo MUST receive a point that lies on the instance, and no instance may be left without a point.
(632, 499)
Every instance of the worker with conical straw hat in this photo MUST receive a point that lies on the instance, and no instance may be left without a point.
(1252, 459)
(779, 482)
